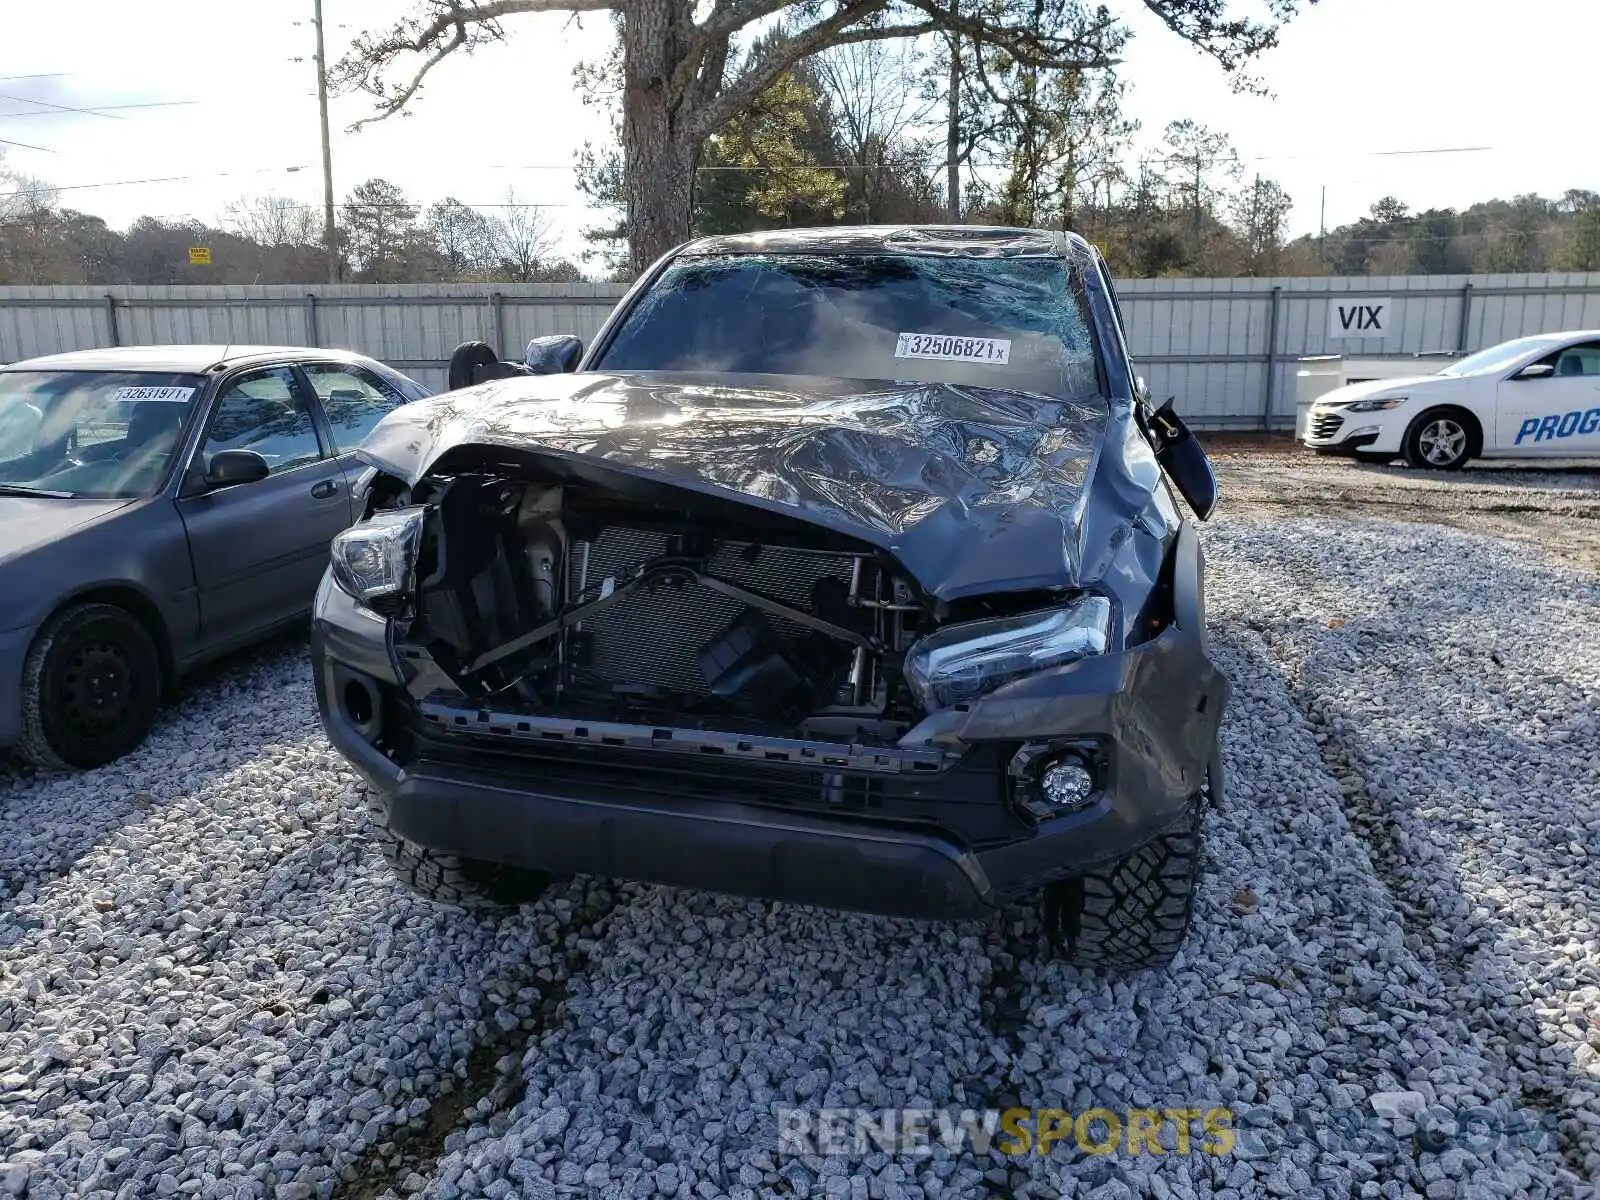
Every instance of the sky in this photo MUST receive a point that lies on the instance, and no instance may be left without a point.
(223, 104)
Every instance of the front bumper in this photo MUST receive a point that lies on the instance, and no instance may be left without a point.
(939, 844)
(1339, 431)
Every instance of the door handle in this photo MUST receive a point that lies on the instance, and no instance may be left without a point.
(324, 489)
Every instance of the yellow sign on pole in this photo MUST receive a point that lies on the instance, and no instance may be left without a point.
(199, 256)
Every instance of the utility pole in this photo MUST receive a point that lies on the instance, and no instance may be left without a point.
(1322, 230)
(330, 240)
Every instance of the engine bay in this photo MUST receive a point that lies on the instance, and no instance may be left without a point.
(576, 599)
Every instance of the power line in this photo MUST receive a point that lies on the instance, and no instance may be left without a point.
(26, 146)
(66, 108)
(83, 187)
(43, 75)
(100, 110)
(1371, 154)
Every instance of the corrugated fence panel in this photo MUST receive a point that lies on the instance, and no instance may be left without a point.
(1203, 341)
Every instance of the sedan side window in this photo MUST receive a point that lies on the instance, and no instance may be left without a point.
(265, 412)
(354, 399)
(1583, 359)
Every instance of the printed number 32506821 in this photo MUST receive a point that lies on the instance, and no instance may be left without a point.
(958, 349)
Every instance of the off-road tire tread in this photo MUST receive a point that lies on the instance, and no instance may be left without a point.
(449, 878)
(33, 745)
(1134, 914)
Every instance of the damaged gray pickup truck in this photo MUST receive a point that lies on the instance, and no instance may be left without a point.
(843, 568)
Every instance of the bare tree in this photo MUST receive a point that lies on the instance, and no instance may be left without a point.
(464, 237)
(28, 220)
(683, 78)
(876, 106)
(522, 238)
(274, 221)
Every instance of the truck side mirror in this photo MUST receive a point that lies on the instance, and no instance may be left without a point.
(1184, 462)
(555, 355)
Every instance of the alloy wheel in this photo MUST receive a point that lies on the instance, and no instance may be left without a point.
(1442, 441)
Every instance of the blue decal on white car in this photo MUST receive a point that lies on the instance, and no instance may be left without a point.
(1560, 425)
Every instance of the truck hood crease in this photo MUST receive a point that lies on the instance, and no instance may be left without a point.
(971, 489)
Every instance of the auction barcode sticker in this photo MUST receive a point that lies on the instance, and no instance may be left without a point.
(953, 349)
(152, 393)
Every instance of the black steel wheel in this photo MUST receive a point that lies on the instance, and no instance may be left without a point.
(91, 687)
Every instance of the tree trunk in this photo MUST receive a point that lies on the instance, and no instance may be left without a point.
(658, 156)
(660, 185)
(952, 136)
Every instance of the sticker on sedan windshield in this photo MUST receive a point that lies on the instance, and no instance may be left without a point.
(954, 349)
(152, 393)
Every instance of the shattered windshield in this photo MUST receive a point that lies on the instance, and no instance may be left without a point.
(1020, 324)
(91, 433)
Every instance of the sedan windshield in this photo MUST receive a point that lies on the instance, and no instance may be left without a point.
(1501, 357)
(1016, 323)
(91, 433)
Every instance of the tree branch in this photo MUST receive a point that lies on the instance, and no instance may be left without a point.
(453, 25)
(780, 54)
(728, 18)
(1231, 42)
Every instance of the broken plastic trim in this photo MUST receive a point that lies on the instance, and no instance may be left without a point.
(849, 756)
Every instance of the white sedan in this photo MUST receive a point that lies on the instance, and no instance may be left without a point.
(1534, 397)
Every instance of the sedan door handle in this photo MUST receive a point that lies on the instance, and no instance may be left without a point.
(324, 489)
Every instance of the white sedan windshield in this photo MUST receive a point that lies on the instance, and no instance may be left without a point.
(1501, 357)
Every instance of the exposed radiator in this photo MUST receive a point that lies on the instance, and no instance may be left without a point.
(652, 637)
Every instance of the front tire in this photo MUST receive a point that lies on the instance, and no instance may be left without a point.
(1442, 439)
(1134, 914)
(449, 878)
(91, 688)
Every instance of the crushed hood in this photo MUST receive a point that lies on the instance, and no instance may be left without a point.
(971, 489)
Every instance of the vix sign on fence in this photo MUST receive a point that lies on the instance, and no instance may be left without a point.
(1360, 317)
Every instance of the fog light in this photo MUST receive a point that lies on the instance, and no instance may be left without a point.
(1066, 785)
(1049, 779)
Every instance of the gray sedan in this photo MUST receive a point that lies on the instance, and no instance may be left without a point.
(159, 506)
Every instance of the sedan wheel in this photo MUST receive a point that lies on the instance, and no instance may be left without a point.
(91, 687)
(1440, 441)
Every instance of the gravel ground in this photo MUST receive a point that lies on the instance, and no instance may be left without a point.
(209, 985)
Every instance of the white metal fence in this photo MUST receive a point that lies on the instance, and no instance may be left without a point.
(1226, 348)
(412, 326)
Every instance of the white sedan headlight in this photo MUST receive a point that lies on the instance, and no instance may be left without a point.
(375, 558)
(1382, 405)
(962, 662)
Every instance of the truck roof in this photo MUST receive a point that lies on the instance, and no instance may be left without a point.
(976, 241)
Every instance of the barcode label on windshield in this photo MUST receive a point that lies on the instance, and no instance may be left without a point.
(152, 393)
(953, 349)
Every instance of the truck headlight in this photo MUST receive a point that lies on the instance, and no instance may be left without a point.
(961, 662)
(1375, 405)
(375, 558)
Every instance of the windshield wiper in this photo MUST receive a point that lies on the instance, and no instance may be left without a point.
(21, 489)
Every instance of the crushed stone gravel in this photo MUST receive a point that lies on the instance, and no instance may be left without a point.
(209, 985)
